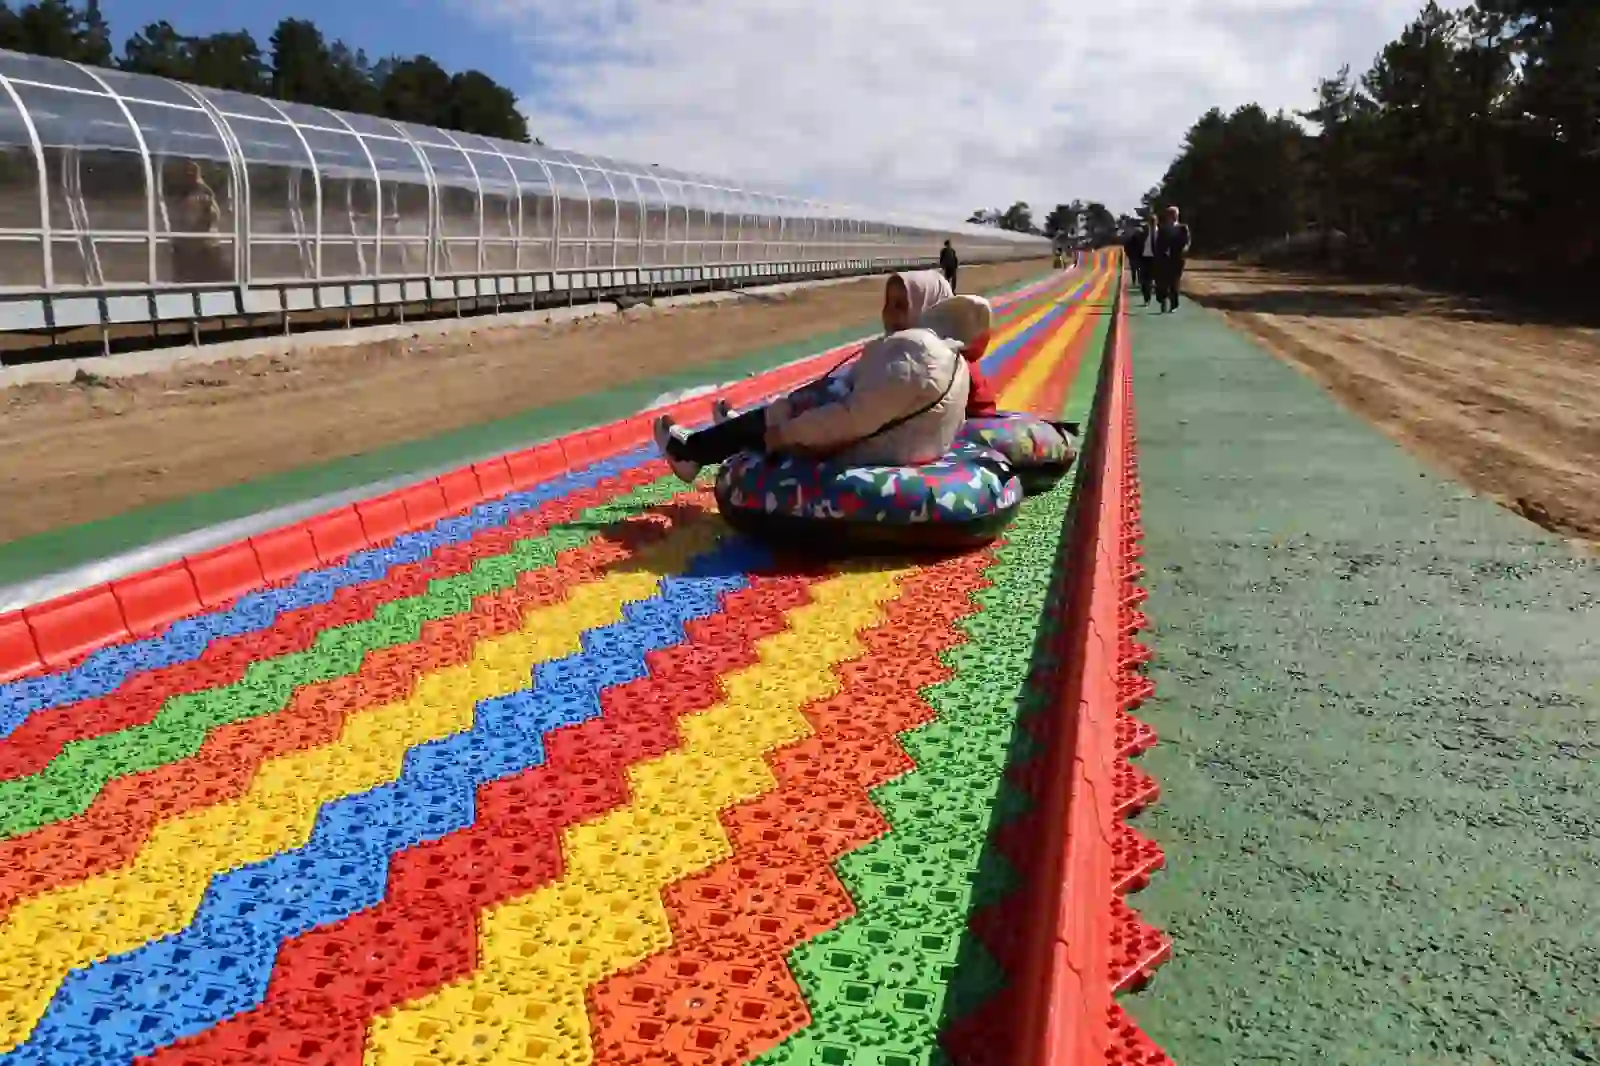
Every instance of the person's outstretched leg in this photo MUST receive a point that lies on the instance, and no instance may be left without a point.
(686, 452)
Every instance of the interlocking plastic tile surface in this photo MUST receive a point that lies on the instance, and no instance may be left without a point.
(577, 776)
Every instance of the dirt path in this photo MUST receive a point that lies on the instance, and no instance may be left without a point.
(80, 452)
(1510, 407)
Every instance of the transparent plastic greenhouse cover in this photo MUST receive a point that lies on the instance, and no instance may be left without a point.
(118, 181)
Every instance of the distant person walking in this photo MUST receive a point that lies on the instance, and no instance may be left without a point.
(1141, 252)
(949, 264)
(1171, 248)
(198, 255)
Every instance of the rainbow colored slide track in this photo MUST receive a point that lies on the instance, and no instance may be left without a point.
(538, 763)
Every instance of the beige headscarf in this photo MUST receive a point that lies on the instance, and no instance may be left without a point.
(925, 289)
(960, 320)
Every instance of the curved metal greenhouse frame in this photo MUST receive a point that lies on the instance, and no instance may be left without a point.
(130, 198)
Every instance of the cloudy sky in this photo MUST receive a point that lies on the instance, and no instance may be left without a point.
(943, 106)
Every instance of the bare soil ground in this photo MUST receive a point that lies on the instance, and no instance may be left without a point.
(1511, 407)
(78, 452)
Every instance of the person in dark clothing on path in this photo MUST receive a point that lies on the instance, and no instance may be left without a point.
(1171, 247)
(1140, 250)
(949, 264)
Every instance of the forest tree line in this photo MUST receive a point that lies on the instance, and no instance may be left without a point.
(1074, 223)
(1467, 155)
(297, 64)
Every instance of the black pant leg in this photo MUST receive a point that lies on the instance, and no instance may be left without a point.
(1146, 276)
(1172, 286)
(746, 432)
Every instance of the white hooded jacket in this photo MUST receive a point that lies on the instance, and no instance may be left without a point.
(918, 372)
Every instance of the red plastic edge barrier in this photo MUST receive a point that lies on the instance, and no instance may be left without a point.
(56, 633)
(1090, 944)
(157, 598)
(225, 573)
(19, 654)
(65, 628)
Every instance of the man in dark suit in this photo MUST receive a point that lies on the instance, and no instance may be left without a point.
(948, 263)
(1171, 247)
(1139, 249)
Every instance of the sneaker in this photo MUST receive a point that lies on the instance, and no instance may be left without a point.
(665, 432)
(721, 411)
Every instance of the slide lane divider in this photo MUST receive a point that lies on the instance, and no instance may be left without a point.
(1070, 941)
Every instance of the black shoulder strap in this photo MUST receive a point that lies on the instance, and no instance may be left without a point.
(853, 355)
(896, 423)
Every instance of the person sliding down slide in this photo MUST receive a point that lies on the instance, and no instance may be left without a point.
(905, 395)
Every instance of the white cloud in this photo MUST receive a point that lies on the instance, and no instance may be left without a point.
(942, 106)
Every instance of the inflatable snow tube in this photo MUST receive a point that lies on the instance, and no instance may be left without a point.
(958, 501)
(1040, 452)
